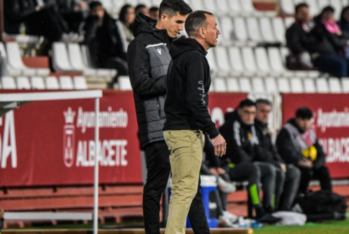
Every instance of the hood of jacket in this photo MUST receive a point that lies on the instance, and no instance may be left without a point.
(184, 44)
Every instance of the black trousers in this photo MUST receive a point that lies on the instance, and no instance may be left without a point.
(322, 174)
(158, 165)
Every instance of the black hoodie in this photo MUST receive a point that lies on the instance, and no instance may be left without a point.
(148, 60)
(188, 83)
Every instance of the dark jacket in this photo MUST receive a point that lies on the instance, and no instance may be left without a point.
(188, 84)
(241, 139)
(16, 12)
(267, 151)
(148, 60)
(299, 41)
(103, 42)
(288, 148)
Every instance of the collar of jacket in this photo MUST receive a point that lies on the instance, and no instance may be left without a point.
(145, 24)
(260, 125)
(293, 122)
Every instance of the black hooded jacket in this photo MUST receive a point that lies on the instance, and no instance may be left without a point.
(188, 84)
(148, 60)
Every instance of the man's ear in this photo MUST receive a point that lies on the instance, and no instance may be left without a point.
(202, 32)
(163, 16)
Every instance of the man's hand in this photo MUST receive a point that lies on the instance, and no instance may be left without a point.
(1, 213)
(214, 171)
(221, 171)
(305, 163)
(220, 146)
(283, 167)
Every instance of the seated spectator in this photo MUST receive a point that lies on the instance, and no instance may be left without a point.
(102, 36)
(240, 135)
(143, 9)
(73, 12)
(302, 38)
(298, 145)
(127, 17)
(344, 20)
(287, 176)
(154, 13)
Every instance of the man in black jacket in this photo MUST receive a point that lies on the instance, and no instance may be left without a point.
(240, 134)
(148, 60)
(287, 177)
(298, 145)
(187, 117)
(303, 37)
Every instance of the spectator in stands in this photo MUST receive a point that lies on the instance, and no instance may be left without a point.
(127, 16)
(287, 176)
(102, 36)
(141, 8)
(154, 13)
(241, 138)
(303, 38)
(298, 145)
(344, 20)
(73, 12)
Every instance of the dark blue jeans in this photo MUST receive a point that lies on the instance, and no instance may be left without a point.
(336, 65)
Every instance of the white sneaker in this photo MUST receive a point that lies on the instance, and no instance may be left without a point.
(232, 218)
(226, 187)
(224, 221)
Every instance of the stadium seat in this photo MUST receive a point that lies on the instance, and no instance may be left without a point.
(209, 5)
(223, 58)
(15, 60)
(220, 85)
(154, 2)
(337, 5)
(345, 85)
(76, 60)
(23, 82)
(223, 7)
(197, 5)
(283, 85)
(275, 61)
(262, 61)
(148, 3)
(270, 85)
(245, 85)
(240, 30)
(37, 82)
(133, 3)
(288, 21)
(108, 6)
(284, 53)
(287, 7)
(279, 30)
(79, 82)
(322, 85)
(296, 85)
(7, 82)
(51, 82)
(253, 30)
(10, 71)
(334, 85)
(124, 83)
(227, 28)
(233, 85)
(323, 3)
(117, 5)
(66, 82)
(258, 85)
(236, 62)
(313, 7)
(248, 59)
(212, 61)
(309, 85)
(313, 74)
(61, 62)
(248, 8)
(266, 30)
(234, 7)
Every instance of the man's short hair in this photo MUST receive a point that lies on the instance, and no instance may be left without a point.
(196, 20)
(246, 102)
(172, 7)
(153, 9)
(94, 4)
(263, 101)
(304, 113)
(139, 7)
(299, 6)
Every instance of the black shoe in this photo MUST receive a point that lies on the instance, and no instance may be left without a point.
(268, 218)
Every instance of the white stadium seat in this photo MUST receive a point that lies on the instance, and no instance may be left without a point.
(7, 82)
(60, 58)
(223, 7)
(240, 30)
(309, 85)
(77, 62)
(337, 5)
(210, 5)
(234, 7)
(248, 59)
(227, 28)
(258, 85)
(296, 85)
(266, 30)
(37, 82)
(233, 85)
(275, 61)
(3, 55)
(322, 85)
(313, 7)
(253, 29)
(212, 61)
(197, 5)
(283, 85)
(66, 82)
(248, 8)
(52, 82)
(236, 61)
(288, 21)
(279, 30)
(262, 61)
(287, 7)
(345, 85)
(23, 82)
(133, 3)
(117, 5)
(245, 85)
(223, 58)
(154, 2)
(345, 3)
(270, 85)
(124, 83)
(323, 3)
(334, 85)
(79, 82)
(219, 85)
(148, 3)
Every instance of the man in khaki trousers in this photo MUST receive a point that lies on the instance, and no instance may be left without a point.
(187, 115)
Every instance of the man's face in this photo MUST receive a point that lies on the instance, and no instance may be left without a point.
(247, 114)
(154, 15)
(263, 112)
(144, 11)
(212, 31)
(303, 14)
(304, 124)
(97, 11)
(173, 24)
(329, 17)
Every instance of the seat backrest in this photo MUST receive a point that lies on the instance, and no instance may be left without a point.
(287, 7)
(322, 85)
(284, 53)
(240, 29)
(283, 85)
(222, 57)
(7, 82)
(258, 85)
(23, 82)
(335, 85)
(86, 57)
(235, 59)
(37, 82)
(309, 85)
(337, 5)
(247, 6)
(233, 85)
(124, 83)
(107, 5)
(197, 5)
(223, 6)
(234, 6)
(14, 55)
(80, 82)
(279, 29)
(323, 3)
(60, 57)
(245, 85)
(209, 5)
(118, 4)
(212, 61)
(220, 85)
(275, 59)
(345, 84)
(3, 53)
(253, 29)
(75, 56)
(249, 59)
(270, 85)
(296, 85)
(266, 29)
(66, 82)
(313, 7)
(262, 59)
(227, 27)
(288, 21)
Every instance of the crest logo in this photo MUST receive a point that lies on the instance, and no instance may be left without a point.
(68, 137)
(159, 51)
